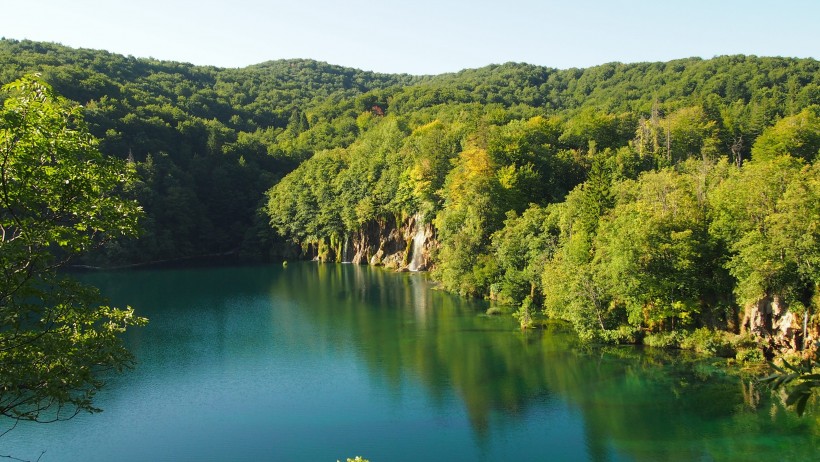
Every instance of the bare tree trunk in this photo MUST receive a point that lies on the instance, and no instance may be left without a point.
(736, 148)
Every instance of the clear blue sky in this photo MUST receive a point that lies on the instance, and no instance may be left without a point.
(421, 36)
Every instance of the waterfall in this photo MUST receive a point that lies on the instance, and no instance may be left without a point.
(418, 246)
(345, 257)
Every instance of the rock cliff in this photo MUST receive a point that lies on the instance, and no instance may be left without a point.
(771, 320)
(402, 245)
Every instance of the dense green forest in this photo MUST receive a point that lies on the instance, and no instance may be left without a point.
(652, 202)
(207, 142)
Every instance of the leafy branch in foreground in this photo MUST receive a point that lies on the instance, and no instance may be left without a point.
(803, 373)
(58, 197)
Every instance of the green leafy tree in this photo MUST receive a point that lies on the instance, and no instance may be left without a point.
(58, 197)
(797, 136)
(655, 249)
(573, 286)
(602, 129)
(766, 213)
(473, 209)
(522, 247)
(528, 150)
(683, 134)
(432, 147)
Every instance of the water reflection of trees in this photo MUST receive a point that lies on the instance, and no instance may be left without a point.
(637, 405)
(646, 405)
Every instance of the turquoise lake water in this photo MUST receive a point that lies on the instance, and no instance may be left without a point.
(322, 362)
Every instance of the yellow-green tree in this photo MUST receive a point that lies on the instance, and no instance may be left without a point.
(797, 136)
(472, 211)
(656, 252)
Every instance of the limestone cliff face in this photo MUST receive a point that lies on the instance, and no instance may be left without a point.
(770, 319)
(400, 245)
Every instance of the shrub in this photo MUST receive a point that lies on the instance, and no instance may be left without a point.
(524, 313)
(492, 311)
(750, 355)
(705, 341)
(663, 340)
(624, 334)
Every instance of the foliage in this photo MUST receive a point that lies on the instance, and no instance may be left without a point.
(522, 247)
(472, 211)
(709, 342)
(797, 136)
(219, 138)
(207, 142)
(632, 200)
(802, 380)
(669, 339)
(59, 196)
(767, 214)
(524, 315)
(655, 250)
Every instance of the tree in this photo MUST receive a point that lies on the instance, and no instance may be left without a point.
(573, 287)
(474, 208)
(655, 249)
(522, 248)
(797, 136)
(683, 134)
(58, 197)
(766, 213)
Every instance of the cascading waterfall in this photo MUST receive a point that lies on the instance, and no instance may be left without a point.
(418, 246)
(345, 250)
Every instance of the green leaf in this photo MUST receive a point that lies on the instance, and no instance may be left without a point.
(801, 404)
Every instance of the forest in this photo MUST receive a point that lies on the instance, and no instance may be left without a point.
(672, 204)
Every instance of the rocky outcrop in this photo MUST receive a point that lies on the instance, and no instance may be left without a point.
(771, 320)
(402, 246)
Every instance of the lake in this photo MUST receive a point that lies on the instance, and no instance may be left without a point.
(319, 362)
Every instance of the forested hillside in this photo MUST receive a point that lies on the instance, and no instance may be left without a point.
(206, 142)
(637, 201)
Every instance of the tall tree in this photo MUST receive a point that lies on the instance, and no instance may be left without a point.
(797, 136)
(655, 250)
(58, 197)
(767, 214)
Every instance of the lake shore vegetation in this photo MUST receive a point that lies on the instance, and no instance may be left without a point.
(671, 204)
